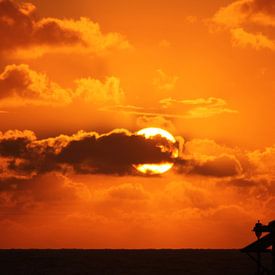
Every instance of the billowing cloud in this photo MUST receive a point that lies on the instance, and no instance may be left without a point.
(23, 85)
(207, 158)
(94, 91)
(14, 143)
(22, 30)
(247, 21)
(263, 160)
(20, 85)
(22, 154)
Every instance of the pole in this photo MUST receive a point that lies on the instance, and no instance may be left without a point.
(272, 231)
(259, 272)
(273, 252)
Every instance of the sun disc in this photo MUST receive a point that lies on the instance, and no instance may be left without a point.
(157, 168)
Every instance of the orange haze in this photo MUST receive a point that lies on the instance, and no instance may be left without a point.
(79, 78)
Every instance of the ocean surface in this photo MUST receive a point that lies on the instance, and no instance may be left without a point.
(163, 261)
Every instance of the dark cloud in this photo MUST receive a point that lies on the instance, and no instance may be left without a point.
(111, 153)
(15, 81)
(23, 155)
(14, 143)
(21, 28)
(264, 6)
(114, 152)
(223, 166)
(218, 166)
(21, 196)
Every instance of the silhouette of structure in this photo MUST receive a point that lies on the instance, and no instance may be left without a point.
(261, 246)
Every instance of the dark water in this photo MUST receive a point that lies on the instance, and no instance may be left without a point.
(212, 262)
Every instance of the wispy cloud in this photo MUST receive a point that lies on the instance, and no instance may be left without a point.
(181, 109)
(247, 21)
(164, 82)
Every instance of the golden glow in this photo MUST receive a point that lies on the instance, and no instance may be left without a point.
(71, 72)
(152, 131)
(153, 168)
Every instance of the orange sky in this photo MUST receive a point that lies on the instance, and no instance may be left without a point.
(79, 78)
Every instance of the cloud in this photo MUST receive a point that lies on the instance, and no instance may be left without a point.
(158, 212)
(181, 109)
(20, 85)
(25, 34)
(240, 12)
(242, 38)
(52, 187)
(155, 121)
(14, 143)
(141, 111)
(52, 206)
(208, 158)
(164, 82)
(247, 21)
(213, 101)
(222, 166)
(200, 107)
(206, 147)
(263, 160)
(94, 91)
(22, 154)
(205, 157)
(127, 191)
(23, 85)
(114, 209)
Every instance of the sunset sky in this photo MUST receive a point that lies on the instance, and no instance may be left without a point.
(79, 78)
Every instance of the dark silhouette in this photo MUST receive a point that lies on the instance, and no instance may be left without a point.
(261, 246)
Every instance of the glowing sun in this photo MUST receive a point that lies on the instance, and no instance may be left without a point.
(158, 168)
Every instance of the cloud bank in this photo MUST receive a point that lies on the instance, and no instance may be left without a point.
(62, 180)
(23, 155)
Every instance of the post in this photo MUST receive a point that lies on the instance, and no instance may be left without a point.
(259, 268)
(273, 250)
(261, 245)
(272, 232)
(258, 232)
